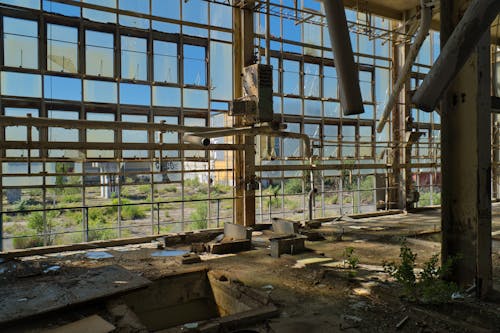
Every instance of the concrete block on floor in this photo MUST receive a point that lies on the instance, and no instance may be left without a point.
(301, 263)
(312, 235)
(198, 247)
(234, 231)
(313, 224)
(284, 227)
(189, 258)
(231, 246)
(287, 245)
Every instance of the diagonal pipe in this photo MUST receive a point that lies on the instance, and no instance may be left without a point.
(350, 92)
(476, 21)
(425, 25)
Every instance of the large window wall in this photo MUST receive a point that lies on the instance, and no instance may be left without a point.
(293, 38)
(426, 150)
(134, 62)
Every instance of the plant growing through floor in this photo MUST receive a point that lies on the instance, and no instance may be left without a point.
(350, 259)
(427, 287)
(433, 288)
(404, 271)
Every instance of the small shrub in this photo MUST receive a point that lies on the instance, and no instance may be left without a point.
(192, 182)
(99, 226)
(333, 200)
(429, 286)
(199, 217)
(350, 259)
(425, 199)
(26, 204)
(403, 272)
(293, 186)
(132, 212)
(221, 189)
(291, 204)
(71, 198)
(144, 189)
(35, 223)
(170, 189)
(27, 242)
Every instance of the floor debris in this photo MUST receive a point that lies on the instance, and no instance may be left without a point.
(92, 324)
(188, 258)
(168, 253)
(402, 322)
(19, 299)
(301, 263)
(54, 268)
(98, 255)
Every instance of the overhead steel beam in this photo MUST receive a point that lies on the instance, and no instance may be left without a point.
(376, 9)
(350, 92)
(476, 21)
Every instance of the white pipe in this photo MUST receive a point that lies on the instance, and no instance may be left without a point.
(425, 25)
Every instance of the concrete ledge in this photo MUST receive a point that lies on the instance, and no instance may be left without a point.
(231, 246)
(284, 227)
(169, 239)
(236, 232)
(287, 245)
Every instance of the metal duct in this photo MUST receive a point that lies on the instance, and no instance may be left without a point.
(350, 92)
(459, 47)
(197, 140)
(425, 25)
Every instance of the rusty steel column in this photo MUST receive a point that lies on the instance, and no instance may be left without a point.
(244, 160)
(496, 156)
(396, 193)
(350, 92)
(466, 162)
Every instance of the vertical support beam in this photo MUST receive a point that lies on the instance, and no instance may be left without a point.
(466, 162)
(250, 177)
(238, 204)
(244, 161)
(249, 140)
(397, 189)
(496, 156)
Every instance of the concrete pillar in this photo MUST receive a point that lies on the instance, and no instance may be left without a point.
(244, 160)
(466, 161)
(496, 156)
(397, 191)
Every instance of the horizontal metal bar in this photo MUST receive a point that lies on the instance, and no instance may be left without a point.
(284, 167)
(135, 14)
(114, 205)
(115, 146)
(94, 124)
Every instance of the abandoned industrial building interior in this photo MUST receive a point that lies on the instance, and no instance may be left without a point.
(250, 166)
